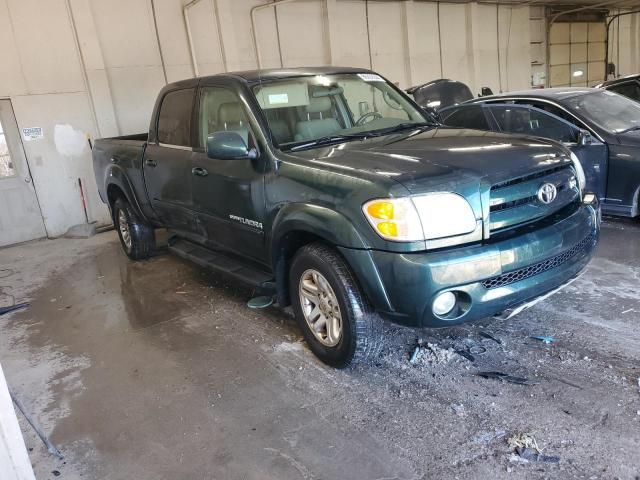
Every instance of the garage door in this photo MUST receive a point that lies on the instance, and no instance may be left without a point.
(20, 217)
(576, 54)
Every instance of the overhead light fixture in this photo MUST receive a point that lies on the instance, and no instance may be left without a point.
(578, 73)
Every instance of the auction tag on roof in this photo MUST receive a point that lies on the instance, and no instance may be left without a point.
(371, 77)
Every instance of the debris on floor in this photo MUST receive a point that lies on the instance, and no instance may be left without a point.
(505, 377)
(12, 308)
(491, 337)
(543, 338)
(466, 354)
(489, 436)
(260, 302)
(431, 354)
(523, 440)
(530, 455)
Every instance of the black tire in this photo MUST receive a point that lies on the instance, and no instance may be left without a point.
(142, 236)
(361, 338)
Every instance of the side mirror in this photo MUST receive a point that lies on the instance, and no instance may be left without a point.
(228, 146)
(584, 138)
(485, 92)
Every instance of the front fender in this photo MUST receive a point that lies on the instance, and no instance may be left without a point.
(337, 230)
(321, 221)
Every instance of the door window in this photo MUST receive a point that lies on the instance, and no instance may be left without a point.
(174, 121)
(631, 90)
(7, 168)
(468, 117)
(221, 110)
(531, 121)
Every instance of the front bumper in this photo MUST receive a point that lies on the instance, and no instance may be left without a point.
(487, 279)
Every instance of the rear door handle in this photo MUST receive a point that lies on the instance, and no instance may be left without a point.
(150, 163)
(199, 172)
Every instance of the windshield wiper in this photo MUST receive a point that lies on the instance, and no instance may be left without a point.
(630, 129)
(331, 139)
(363, 135)
(401, 127)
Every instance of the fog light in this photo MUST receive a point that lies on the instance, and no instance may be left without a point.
(444, 303)
(589, 198)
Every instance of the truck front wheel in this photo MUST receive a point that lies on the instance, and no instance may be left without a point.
(335, 318)
(137, 238)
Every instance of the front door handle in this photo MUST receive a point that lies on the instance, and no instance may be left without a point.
(199, 172)
(150, 163)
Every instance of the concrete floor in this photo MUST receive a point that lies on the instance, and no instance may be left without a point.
(156, 370)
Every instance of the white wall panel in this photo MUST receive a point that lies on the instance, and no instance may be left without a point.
(303, 34)
(455, 60)
(12, 79)
(387, 35)
(424, 43)
(348, 27)
(45, 44)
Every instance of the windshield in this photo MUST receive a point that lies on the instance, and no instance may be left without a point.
(303, 110)
(609, 110)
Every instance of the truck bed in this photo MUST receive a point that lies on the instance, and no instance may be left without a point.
(120, 155)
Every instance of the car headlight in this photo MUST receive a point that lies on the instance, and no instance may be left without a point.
(394, 219)
(421, 217)
(582, 179)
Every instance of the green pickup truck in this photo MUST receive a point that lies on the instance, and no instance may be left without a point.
(331, 190)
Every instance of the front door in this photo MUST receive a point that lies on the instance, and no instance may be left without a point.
(20, 216)
(228, 195)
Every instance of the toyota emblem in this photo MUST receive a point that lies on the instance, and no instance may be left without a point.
(547, 193)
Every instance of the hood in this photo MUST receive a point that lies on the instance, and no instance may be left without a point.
(630, 139)
(440, 157)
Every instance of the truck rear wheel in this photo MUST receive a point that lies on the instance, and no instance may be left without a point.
(136, 237)
(335, 318)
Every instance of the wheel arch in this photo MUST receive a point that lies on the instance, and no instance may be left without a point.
(118, 185)
(297, 225)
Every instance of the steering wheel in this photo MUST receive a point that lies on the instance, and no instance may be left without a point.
(362, 120)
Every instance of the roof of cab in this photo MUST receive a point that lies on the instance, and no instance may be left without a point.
(255, 76)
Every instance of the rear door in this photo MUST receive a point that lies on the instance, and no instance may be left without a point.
(167, 162)
(228, 195)
(20, 217)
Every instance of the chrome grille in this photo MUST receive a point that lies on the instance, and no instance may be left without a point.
(515, 202)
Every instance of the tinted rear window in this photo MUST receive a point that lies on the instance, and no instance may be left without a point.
(174, 122)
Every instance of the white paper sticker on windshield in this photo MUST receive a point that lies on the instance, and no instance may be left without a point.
(371, 77)
(278, 98)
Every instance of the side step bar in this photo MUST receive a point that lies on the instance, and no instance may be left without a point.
(224, 265)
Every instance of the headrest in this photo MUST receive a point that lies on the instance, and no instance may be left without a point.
(318, 104)
(230, 112)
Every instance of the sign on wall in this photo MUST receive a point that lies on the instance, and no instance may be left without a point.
(32, 133)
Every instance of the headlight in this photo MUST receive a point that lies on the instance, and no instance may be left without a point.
(394, 219)
(422, 217)
(444, 215)
(582, 180)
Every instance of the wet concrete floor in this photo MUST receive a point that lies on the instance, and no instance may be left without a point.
(157, 369)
